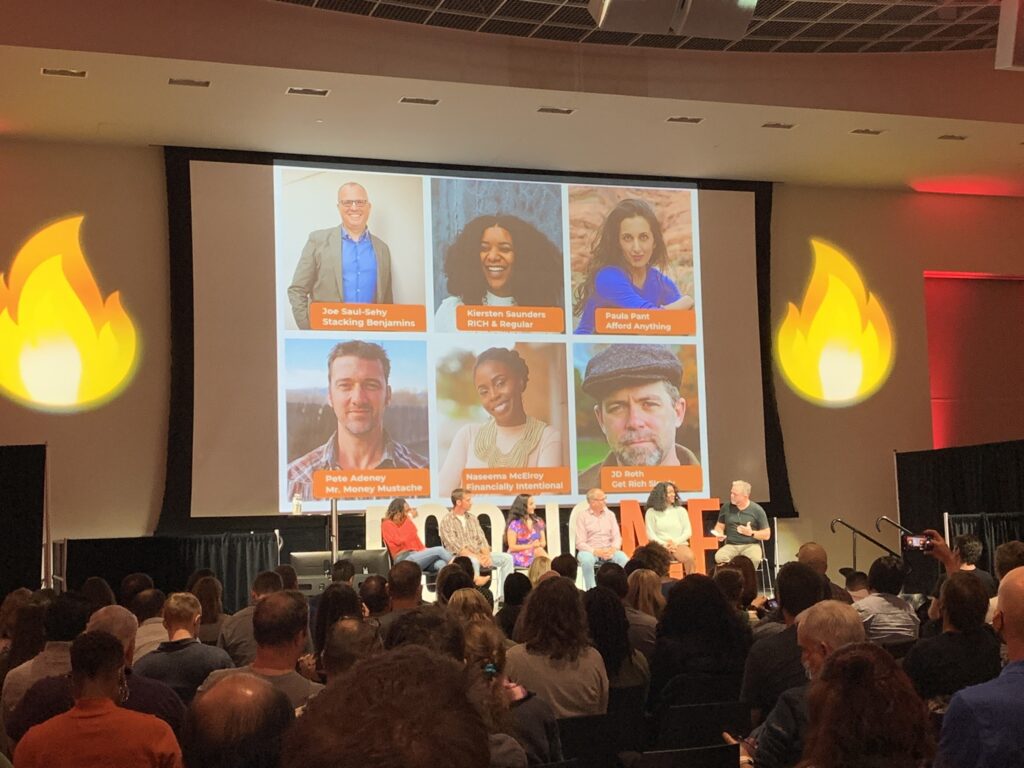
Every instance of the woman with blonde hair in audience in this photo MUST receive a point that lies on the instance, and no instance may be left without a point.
(645, 593)
(538, 568)
(467, 604)
(210, 593)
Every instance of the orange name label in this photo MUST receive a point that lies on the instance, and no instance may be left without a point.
(654, 322)
(643, 479)
(335, 316)
(534, 480)
(370, 483)
(510, 319)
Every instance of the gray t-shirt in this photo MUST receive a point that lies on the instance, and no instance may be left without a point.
(297, 688)
(732, 516)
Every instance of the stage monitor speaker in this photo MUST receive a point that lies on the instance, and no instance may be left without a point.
(717, 19)
(1010, 43)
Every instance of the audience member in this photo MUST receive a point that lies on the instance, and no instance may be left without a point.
(654, 557)
(344, 571)
(967, 550)
(64, 620)
(405, 591)
(373, 593)
(280, 625)
(196, 575)
(28, 636)
(182, 661)
(349, 641)
(539, 567)
(555, 659)
(451, 578)
(598, 538)
(857, 585)
(131, 585)
(240, 722)
(517, 587)
(383, 696)
(645, 593)
(148, 606)
(338, 601)
(12, 604)
(289, 579)
(752, 601)
(814, 555)
(642, 626)
(730, 581)
(564, 565)
(1009, 555)
(982, 726)
(467, 605)
(96, 731)
(625, 666)
(97, 591)
(210, 593)
(888, 619)
(865, 712)
(51, 696)
(774, 665)
(700, 635)
(236, 633)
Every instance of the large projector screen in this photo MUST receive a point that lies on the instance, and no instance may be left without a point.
(364, 332)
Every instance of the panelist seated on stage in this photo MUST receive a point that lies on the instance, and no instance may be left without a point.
(358, 391)
(743, 524)
(668, 523)
(461, 534)
(525, 535)
(403, 540)
(598, 539)
(342, 264)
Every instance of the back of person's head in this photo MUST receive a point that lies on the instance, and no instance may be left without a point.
(431, 627)
(746, 567)
(798, 587)
(238, 722)
(964, 601)
(131, 585)
(97, 591)
(517, 586)
(1009, 555)
(645, 593)
(968, 547)
(349, 641)
(148, 604)
(609, 627)
(66, 617)
(856, 580)
(28, 635)
(813, 554)
(886, 575)
(404, 580)
(612, 576)
(484, 645)
(865, 712)
(374, 594)
(467, 604)
(279, 617)
(338, 601)
(115, 620)
(95, 655)
(697, 610)
(565, 565)
(485, 662)
(465, 564)
(451, 579)
(196, 575)
(730, 581)
(553, 622)
(12, 603)
(289, 579)
(654, 557)
(364, 720)
(538, 568)
(343, 570)
(210, 592)
(266, 583)
(831, 623)
(181, 609)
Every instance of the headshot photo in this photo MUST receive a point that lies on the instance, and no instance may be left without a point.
(629, 249)
(347, 237)
(353, 404)
(495, 243)
(636, 406)
(500, 406)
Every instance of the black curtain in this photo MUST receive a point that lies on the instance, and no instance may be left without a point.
(235, 557)
(22, 498)
(993, 530)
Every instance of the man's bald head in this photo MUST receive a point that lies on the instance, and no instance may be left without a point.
(238, 721)
(1011, 606)
(813, 554)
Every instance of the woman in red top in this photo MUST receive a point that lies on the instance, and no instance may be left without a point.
(403, 540)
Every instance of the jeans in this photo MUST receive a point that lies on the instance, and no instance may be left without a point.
(589, 565)
(430, 559)
(502, 567)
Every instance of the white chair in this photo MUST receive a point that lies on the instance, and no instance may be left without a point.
(580, 508)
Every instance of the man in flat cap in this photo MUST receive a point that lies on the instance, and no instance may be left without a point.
(639, 408)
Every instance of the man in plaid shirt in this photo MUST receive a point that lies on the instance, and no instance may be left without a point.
(461, 534)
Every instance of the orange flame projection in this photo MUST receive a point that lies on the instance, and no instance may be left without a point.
(62, 347)
(837, 349)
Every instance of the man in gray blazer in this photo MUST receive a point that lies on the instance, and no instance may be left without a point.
(342, 264)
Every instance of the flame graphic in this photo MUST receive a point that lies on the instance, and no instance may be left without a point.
(837, 349)
(62, 347)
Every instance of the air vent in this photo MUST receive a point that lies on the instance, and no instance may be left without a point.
(63, 72)
(418, 100)
(309, 91)
(779, 126)
(556, 110)
(868, 131)
(952, 137)
(188, 82)
(685, 120)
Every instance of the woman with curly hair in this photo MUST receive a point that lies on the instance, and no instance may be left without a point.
(525, 534)
(554, 658)
(866, 714)
(626, 268)
(668, 523)
(403, 540)
(510, 438)
(500, 260)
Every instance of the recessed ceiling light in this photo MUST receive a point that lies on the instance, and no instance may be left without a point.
(50, 71)
(868, 131)
(952, 137)
(309, 91)
(779, 126)
(188, 82)
(556, 110)
(685, 120)
(419, 100)
(318, 121)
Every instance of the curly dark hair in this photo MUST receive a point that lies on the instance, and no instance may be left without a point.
(338, 601)
(507, 357)
(865, 712)
(536, 279)
(654, 557)
(396, 510)
(696, 608)
(552, 622)
(658, 500)
(608, 253)
(609, 627)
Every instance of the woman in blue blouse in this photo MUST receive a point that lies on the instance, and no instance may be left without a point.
(625, 269)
